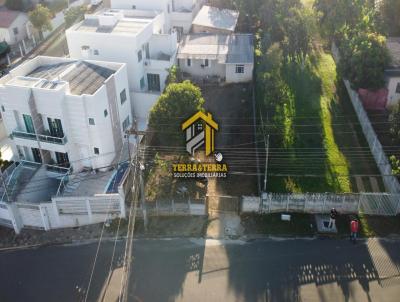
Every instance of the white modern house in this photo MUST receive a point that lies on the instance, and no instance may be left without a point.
(215, 20)
(139, 38)
(13, 26)
(223, 58)
(392, 73)
(179, 13)
(67, 112)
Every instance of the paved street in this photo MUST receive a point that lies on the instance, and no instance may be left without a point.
(198, 270)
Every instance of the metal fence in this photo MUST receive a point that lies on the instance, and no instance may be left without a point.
(367, 203)
(391, 182)
(175, 208)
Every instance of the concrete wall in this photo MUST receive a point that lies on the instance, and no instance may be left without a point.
(8, 35)
(233, 77)
(196, 70)
(393, 97)
(211, 30)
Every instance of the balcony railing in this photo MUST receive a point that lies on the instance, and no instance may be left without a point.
(41, 137)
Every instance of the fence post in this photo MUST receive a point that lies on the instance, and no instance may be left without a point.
(324, 204)
(359, 202)
(173, 206)
(287, 203)
(270, 202)
(89, 210)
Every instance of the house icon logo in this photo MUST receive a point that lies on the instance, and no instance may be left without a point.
(200, 130)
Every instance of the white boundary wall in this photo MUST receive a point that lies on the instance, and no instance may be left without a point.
(382, 204)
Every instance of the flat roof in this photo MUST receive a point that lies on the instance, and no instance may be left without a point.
(83, 77)
(117, 21)
(226, 48)
(214, 17)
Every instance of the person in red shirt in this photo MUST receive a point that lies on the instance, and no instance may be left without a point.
(354, 227)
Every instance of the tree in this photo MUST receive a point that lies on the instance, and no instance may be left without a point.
(178, 102)
(40, 18)
(389, 16)
(364, 57)
(174, 75)
(74, 14)
(299, 28)
(394, 119)
(15, 4)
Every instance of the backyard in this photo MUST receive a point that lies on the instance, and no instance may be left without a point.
(320, 146)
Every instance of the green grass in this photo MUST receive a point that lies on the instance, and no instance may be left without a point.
(317, 127)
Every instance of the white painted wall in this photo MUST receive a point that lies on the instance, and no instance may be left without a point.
(74, 113)
(8, 34)
(196, 70)
(233, 77)
(393, 97)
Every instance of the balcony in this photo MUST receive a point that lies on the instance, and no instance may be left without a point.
(41, 137)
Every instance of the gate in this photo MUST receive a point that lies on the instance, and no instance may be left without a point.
(223, 204)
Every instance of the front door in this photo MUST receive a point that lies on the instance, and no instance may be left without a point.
(55, 127)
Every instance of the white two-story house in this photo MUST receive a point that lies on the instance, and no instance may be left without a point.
(179, 13)
(67, 112)
(141, 39)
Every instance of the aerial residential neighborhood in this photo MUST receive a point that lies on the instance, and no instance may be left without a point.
(199, 150)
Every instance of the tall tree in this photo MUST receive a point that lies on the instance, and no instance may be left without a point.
(74, 14)
(15, 4)
(364, 57)
(389, 15)
(179, 101)
(40, 18)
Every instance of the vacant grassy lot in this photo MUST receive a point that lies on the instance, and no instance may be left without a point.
(321, 147)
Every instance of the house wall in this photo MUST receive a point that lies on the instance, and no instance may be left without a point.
(74, 113)
(393, 97)
(233, 77)
(196, 70)
(211, 30)
(143, 102)
(8, 35)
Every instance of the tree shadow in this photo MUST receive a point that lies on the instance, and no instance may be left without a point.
(273, 272)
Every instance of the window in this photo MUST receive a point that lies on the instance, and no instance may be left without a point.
(397, 88)
(55, 127)
(239, 68)
(96, 52)
(28, 123)
(105, 113)
(2, 108)
(96, 151)
(139, 56)
(133, 6)
(15, 30)
(126, 123)
(122, 95)
(91, 121)
(189, 62)
(153, 81)
(142, 83)
(206, 63)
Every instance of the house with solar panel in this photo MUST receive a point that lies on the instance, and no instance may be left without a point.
(66, 112)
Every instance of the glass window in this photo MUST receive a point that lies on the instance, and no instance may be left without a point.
(189, 62)
(126, 123)
(2, 108)
(142, 84)
(55, 127)
(153, 81)
(139, 56)
(96, 52)
(28, 123)
(239, 68)
(398, 88)
(105, 113)
(91, 121)
(15, 30)
(122, 95)
(206, 63)
(96, 151)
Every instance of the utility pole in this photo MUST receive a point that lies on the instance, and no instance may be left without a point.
(266, 162)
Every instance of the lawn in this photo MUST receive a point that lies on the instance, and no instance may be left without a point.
(320, 145)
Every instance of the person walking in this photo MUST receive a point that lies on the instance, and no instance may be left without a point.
(354, 227)
(332, 218)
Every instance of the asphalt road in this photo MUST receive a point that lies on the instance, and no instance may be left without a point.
(198, 270)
